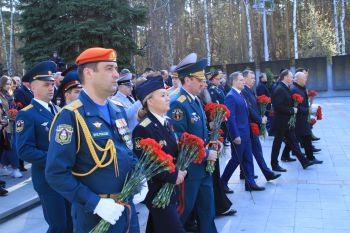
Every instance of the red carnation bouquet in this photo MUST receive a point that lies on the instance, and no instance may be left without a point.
(298, 99)
(263, 101)
(319, 113)
(255, 129)
(311, 94)
(12, 113)
(152, 162)
(191, 150)
(217, 113)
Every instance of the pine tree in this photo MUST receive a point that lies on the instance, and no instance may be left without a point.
(71, 26)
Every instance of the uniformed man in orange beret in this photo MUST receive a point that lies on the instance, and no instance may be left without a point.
(90, 152)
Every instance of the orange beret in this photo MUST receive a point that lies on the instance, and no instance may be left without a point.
(97, 54)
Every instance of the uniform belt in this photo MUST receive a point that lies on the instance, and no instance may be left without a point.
(113, 195)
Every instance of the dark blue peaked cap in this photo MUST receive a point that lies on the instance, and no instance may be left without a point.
(70, 80)
(152, 84)
(43, 71)
(193, 69)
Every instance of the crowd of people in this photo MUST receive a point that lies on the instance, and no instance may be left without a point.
(81, 131)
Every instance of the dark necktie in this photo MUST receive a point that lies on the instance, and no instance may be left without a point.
(197, 101)
(52, 109)
(130, 99)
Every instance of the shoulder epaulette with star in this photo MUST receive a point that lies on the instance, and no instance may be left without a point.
(27, 107)
(181, 99)
(145, 122)
(74, 105)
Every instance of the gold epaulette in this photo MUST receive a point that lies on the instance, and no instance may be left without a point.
(74, 105)
(181, 99)
(27, 107)
(117, 103)
(145, 122)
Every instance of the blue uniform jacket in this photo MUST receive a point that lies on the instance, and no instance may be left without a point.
(238, 122)
(254, 112)
(32, 141)
(217, 94)
(188, 116)
(23, 95)
(150, 127)
(63, 157)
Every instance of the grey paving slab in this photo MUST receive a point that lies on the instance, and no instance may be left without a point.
(316, 200)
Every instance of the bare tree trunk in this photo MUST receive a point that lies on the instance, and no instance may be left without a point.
(336, 25)
(207, 31)
(250, 43)
(342, 27)
(170, 35)
(266, 47)
(295, 32)
(4, 40)
(12, 8)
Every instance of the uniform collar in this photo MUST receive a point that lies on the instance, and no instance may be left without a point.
(160, 118)
(44, 104)
(192, 96)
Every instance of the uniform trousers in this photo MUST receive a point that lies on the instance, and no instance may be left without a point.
(199, 194)
(57, 212)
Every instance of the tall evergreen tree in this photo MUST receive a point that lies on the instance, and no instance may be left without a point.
(70, 26)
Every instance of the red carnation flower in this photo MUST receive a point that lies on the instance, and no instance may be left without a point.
(255, 129)
(297, 98)
(319, 113)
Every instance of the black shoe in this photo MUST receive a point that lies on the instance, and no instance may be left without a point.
(315, 150)
(227, 189)
(23, 169)
(278, 168)
(308, 164)
(3, 192)
(2, 184)
(229, 212)
(315, 138)
(288, 159)
(191, 228)
(242, 177)
(273, 176)
(253, 187)
(316, 161)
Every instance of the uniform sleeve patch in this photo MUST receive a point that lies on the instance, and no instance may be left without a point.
(181, 99)
(145, 122)
(64, 134)
(19, 126)
(177, 114)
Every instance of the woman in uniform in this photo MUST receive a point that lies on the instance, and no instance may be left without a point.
(154, 124)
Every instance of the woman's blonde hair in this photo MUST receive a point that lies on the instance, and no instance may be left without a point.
(141, 113)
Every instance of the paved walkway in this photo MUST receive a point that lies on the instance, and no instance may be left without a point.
(316, 200)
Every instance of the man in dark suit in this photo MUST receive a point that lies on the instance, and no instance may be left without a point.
(283, 106)
(239, 133)
(255, 117)
(302, 125)
(262, 88)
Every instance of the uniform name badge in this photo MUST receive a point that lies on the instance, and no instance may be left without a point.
(123, 130)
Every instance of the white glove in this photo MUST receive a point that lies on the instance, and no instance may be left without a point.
(109, 210)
